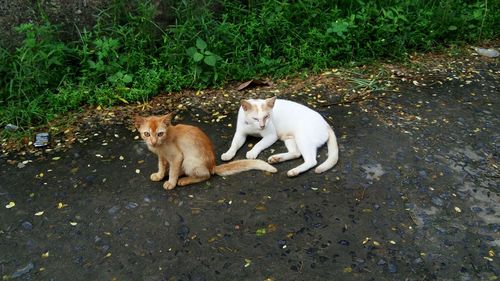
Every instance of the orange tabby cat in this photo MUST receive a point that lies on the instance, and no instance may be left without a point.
(188, 151)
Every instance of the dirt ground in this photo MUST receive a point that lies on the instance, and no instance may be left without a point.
(414, 196)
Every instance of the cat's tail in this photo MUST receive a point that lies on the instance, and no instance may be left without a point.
(333, 153)
(238, 166)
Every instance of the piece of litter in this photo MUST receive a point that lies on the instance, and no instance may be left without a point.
(491, 53)
(41, 140)
(39, 213)
(137, 171)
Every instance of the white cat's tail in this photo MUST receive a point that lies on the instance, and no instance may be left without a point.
(238, 166)
(333, 153)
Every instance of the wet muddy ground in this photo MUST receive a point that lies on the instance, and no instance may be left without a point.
(414, 196)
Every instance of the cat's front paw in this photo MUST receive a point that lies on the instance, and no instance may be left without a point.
(169, 185)
(252, 154)
(292, 173)
(156, 177)
(227, 156)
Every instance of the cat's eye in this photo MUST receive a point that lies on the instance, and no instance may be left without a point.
(267, 116)
(256, 119)
(146, 134)
(160, 134)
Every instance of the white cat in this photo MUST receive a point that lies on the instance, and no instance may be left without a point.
(302, 129)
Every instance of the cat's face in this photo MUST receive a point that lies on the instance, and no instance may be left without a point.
(258, 112)
(153, 129)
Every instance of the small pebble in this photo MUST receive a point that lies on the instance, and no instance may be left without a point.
(282, 244)
(476, 209)
(27, 225)
(131, 205)
(113, 210)
(344, 242)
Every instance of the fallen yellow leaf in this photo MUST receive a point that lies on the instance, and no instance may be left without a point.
(61, 205)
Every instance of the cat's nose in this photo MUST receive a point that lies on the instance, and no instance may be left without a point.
(262, 126)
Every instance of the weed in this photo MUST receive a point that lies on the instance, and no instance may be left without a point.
(203, 62)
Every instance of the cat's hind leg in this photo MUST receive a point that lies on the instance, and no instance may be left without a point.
(196, 175)
(308, 151)
(293, 152)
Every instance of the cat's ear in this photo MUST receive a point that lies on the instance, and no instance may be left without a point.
(167, 119)
(138, 121)
(245, 105)
(270, 102)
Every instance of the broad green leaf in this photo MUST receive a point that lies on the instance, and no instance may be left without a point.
(210, 60)
(197, 57)
(127, 78)
(200, 44)
(191, 51)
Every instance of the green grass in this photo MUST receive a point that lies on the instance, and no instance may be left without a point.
(127, 56)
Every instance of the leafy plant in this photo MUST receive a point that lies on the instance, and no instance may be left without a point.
(204, 61)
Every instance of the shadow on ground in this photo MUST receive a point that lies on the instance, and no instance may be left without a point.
(414, 197)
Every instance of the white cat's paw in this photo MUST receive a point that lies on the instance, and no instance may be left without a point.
(227, 156)
(274, 159)
(169, 185)
(292, 173)
(252, 155)
(156, 177)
